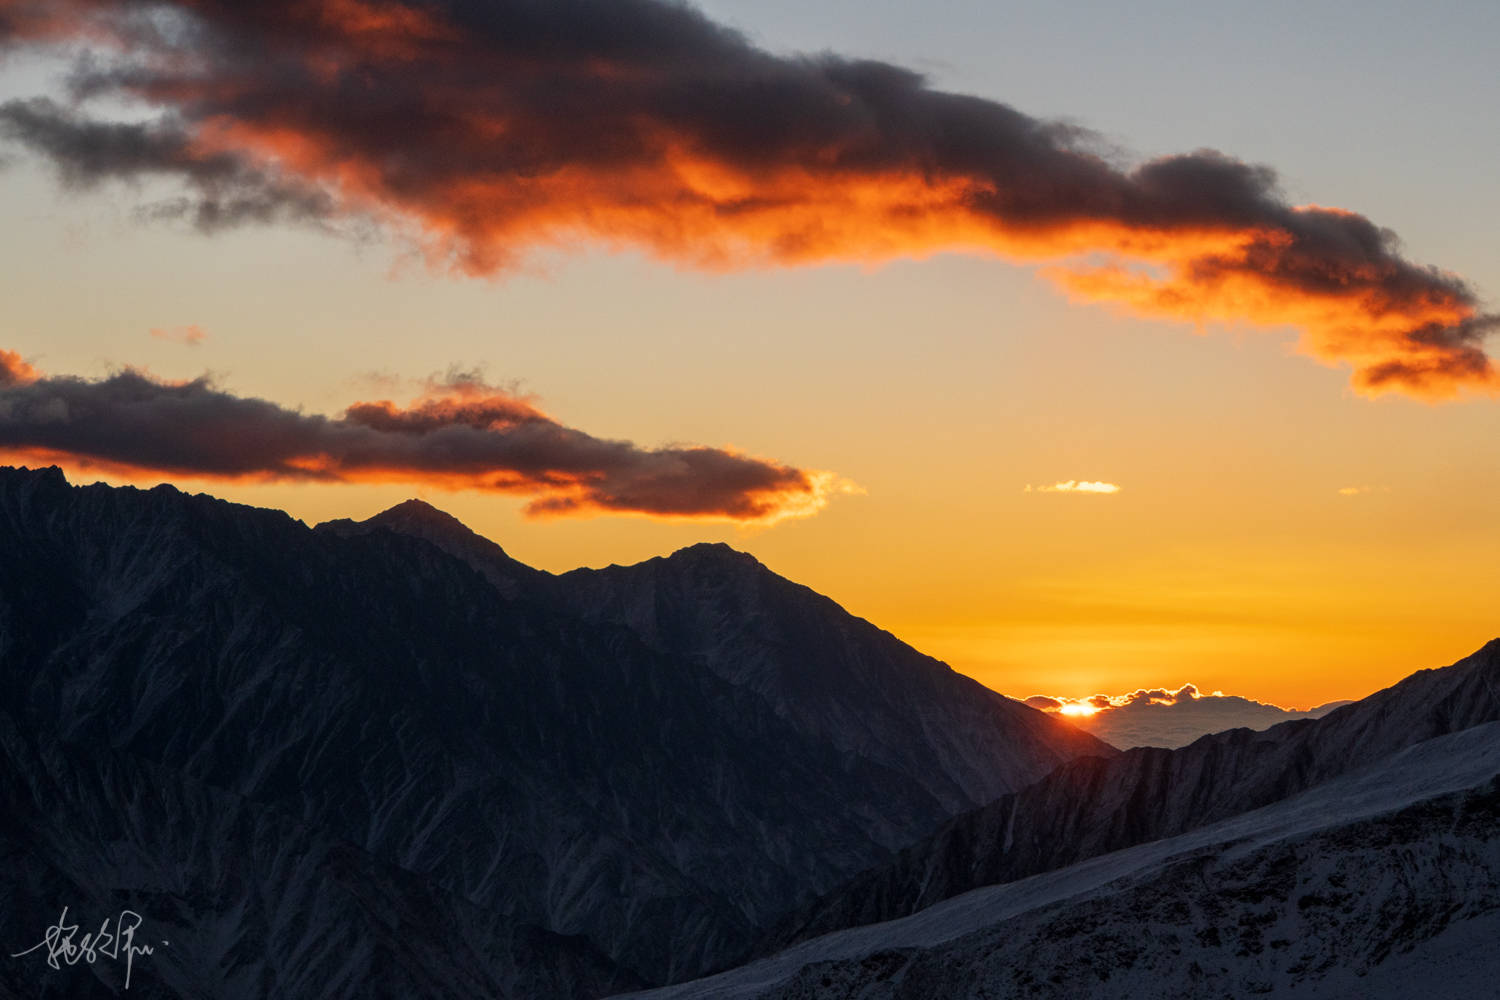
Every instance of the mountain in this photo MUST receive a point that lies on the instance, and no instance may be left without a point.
(420, 519)
(826, 672)
(1092, 806)
(1146, 722)
(388, 735)
(1382, 884)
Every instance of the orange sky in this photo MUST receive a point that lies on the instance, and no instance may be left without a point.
(1302, 437)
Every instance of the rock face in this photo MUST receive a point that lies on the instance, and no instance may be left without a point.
(1092, 806)
(392, 733)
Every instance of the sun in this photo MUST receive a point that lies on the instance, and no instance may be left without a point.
(1078, 708)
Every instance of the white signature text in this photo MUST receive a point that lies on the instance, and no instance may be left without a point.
(61, 946)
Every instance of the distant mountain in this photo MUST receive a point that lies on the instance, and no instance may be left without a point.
(1090, 807)
(1382, 884)
(386, 749)
(1179, 718)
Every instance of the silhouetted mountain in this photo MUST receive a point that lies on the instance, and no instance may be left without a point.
(422, 520)
(828, 674)
(1093, 806)
(323, 755)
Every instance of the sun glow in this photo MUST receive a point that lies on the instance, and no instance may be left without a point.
(1078, 708)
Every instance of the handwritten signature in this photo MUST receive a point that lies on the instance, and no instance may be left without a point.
(111, 944)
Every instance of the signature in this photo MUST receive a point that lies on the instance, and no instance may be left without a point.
(60, 944)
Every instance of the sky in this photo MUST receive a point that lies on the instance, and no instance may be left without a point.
(617, 282)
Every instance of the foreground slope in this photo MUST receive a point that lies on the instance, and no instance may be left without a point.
(1092, 806)
(1383, 883)
(406, 689)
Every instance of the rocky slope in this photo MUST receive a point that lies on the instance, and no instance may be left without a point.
(1093, 806)
(616, 800)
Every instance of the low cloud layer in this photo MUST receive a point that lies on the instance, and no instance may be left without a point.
(488, 132)
(460, 434)
(1162, 717)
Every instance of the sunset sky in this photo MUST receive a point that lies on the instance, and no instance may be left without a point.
(1071, 416)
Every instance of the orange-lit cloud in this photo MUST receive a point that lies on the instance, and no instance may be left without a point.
(14, 371)
(1354, 491)
(1105, 702)
(486, 133)
(461, 434)
(1081, 486)
(192, 335)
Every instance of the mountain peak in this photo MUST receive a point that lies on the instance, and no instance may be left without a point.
(713, 551)
(420, 519)
(414, 512)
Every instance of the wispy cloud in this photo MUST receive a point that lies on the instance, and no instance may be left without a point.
(1354, 491)
(192, 335)
(459, 434)
(527, 127)
(1084, 486)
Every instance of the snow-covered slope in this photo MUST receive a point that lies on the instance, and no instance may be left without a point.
(1093, 806)
(1360, 887)
(405, 689)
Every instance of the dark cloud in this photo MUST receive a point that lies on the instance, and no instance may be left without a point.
(230, 192)
(460, 435)
(485, 131)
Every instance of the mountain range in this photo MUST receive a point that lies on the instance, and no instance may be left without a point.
(318, 757)
(1179, 718)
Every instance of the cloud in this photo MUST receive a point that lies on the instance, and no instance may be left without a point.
(1165, 717)
(460, 434)
(1076, 486)
(192, 335)
(14, 371)
(1354, 491)
(487, 133)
